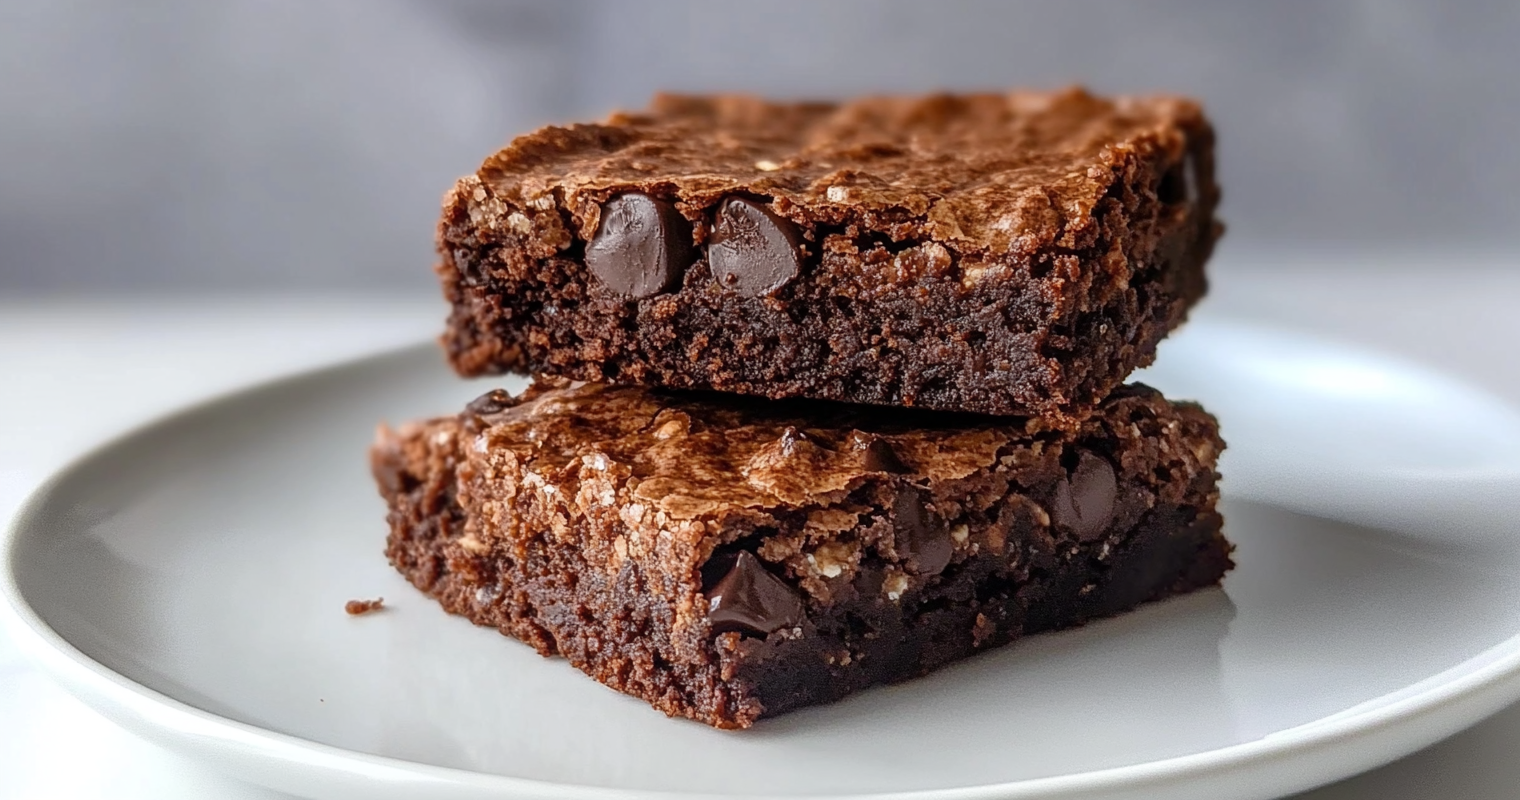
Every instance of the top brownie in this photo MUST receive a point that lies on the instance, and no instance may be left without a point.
(1003, 254)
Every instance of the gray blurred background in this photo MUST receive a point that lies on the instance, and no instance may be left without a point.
(284, 144)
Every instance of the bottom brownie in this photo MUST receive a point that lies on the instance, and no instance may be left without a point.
(728, 559)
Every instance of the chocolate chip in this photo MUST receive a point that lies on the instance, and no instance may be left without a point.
(751, 600)
(752, 250)
(877, 455)
(921, 534)
(1085, 500)
(641, 247)
(492, 402)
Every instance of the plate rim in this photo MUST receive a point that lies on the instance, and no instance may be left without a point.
(1364, 738)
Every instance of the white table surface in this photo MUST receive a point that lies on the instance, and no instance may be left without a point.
(74, 372)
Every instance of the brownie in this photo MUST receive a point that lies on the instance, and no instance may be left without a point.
(727, 559)
(1014, 254)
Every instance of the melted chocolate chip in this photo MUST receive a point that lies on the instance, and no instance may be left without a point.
(642, 246)
(492, 402)
(752, 250)
(751, 600)
(921, 534)
(877, 455)
(1085, 500)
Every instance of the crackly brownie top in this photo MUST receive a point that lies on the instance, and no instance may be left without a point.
(985, 172)
(694, 454)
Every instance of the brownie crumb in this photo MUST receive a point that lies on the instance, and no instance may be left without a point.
(358, 607)
(982, 630)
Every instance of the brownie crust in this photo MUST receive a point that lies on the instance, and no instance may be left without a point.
(727, 559)
(1014, 254)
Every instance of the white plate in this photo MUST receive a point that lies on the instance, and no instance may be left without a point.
(188, 581)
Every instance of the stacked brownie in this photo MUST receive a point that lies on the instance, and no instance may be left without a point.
(825, 396)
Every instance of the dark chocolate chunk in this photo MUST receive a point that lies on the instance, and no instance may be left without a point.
(921, 534)
(717, 566)
(492, 402)
(752, 250)
(877, 455)
(1085, 500)
(642, 246)
(751, 600)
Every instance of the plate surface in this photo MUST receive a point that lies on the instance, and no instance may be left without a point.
(189, 581)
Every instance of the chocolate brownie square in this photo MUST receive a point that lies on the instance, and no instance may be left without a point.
(1001, 254)
(727, 559)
